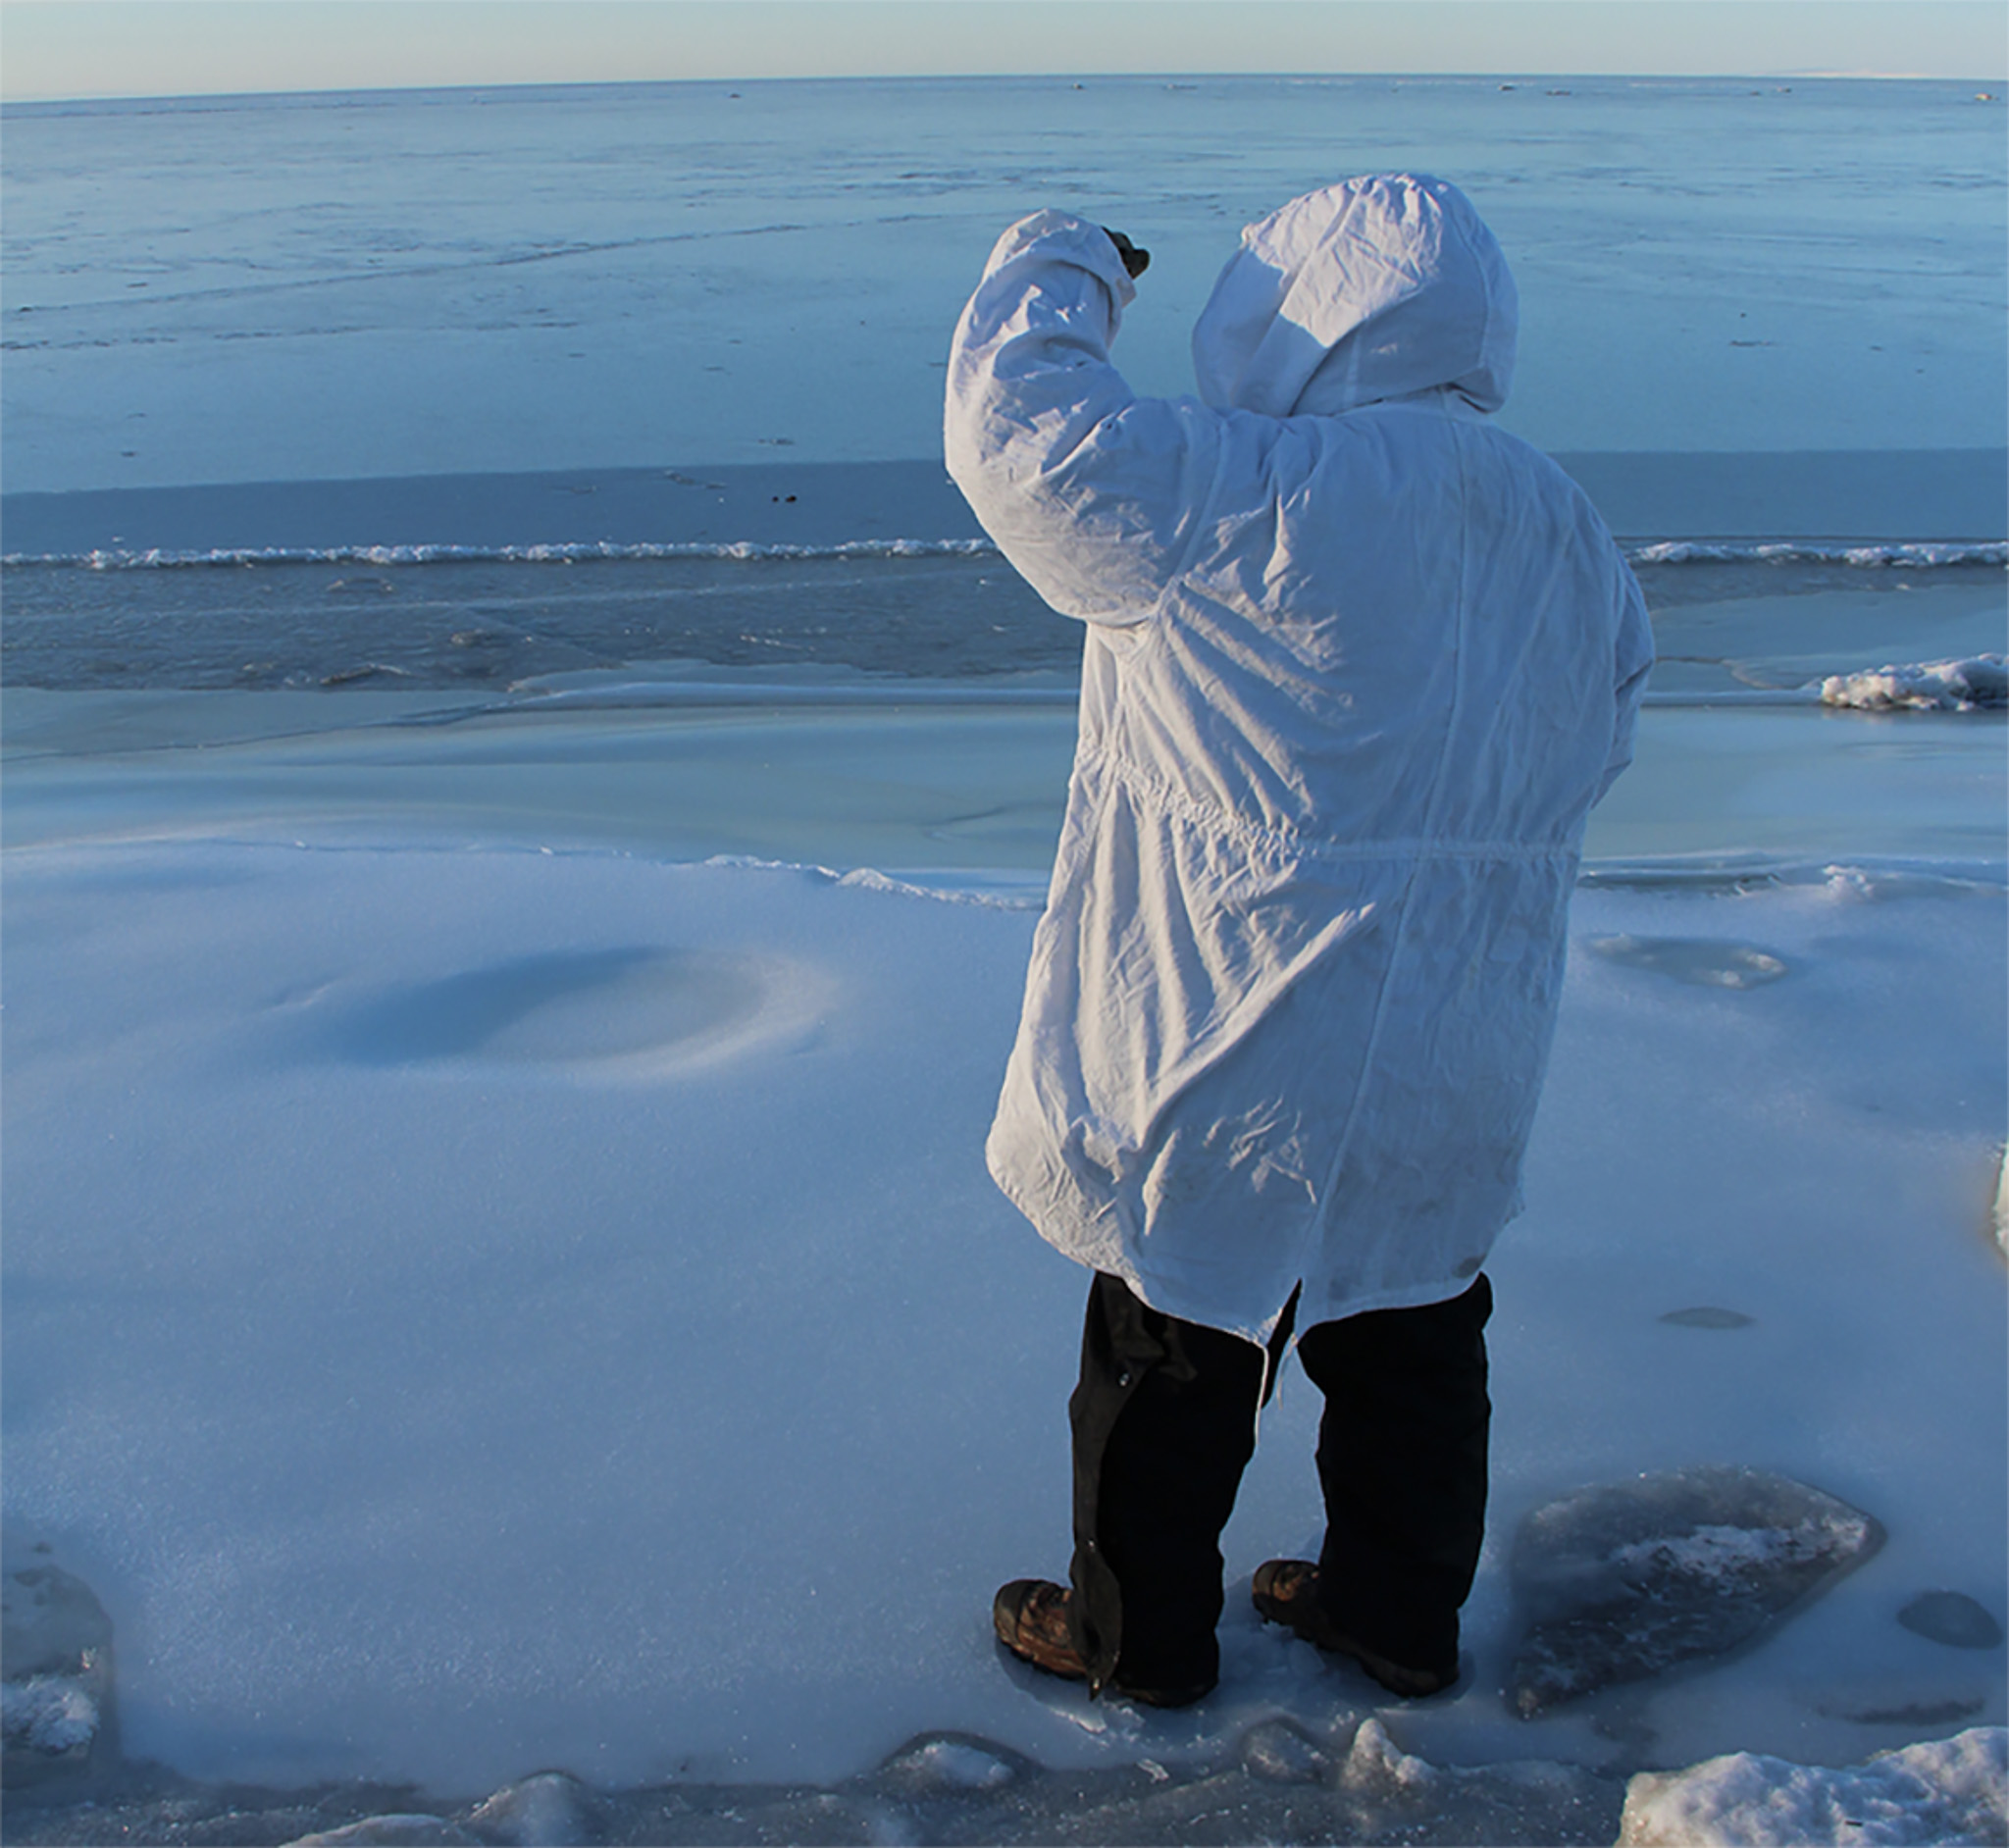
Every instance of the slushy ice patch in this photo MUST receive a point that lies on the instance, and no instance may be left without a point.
(1628, 1580)
(632, 1011)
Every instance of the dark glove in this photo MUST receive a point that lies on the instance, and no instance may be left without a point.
(1135, 261)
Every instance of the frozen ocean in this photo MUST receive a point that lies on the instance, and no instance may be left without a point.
(526, 800)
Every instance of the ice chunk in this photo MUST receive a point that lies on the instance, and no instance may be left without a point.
(1376, 1760)
(1626, 1580)
(1962, 685)
(1943, 1790)
(950, 1762)
(547, 1811)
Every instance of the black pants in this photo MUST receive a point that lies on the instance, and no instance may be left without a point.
(1164, 1423)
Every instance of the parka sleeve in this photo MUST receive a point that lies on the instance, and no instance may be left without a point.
(1093, 493)
(1632, 662)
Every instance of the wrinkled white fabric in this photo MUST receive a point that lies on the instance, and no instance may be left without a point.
(1356, 666)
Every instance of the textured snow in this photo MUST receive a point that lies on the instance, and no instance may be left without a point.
(1940, 1791)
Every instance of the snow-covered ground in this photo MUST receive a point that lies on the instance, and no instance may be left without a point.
(475, 1308)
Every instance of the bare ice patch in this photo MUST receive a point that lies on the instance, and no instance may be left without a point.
(1701, 961)
(635, 1011)
(1631, 1579)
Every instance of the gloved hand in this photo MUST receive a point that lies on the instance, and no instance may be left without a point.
(1135, 261)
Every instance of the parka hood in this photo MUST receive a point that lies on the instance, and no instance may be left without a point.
(1375, 288)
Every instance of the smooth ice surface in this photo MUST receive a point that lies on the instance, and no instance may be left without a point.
(1946, 1791)
(419, 1411)
(442, 281)
(966, 779)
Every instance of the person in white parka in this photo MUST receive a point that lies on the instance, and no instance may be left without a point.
(1357, 665)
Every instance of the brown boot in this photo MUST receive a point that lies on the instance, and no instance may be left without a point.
(1031, 1615)
(1286, 1592)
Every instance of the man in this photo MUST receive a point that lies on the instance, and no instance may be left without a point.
(1356, 666)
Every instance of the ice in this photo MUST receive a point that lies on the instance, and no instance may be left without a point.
(1945, 1791)
(53, 1716)
(673, 274)
(445, 1411)
(547, 1811)
(1930, 685)
(1952, 1617)
(1626, 1581)
(504, 1309)
(55, 1702)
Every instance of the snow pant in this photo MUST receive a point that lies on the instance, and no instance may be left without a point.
(1164, 1423)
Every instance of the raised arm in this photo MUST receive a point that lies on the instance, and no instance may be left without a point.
(1094, 495)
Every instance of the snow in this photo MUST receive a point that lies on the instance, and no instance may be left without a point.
(475, 1308)
(1942, 1791)
(1928, 686)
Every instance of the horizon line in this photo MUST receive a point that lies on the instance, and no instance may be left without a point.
(1052, 77)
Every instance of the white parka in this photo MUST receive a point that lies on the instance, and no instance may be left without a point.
(1356, 666)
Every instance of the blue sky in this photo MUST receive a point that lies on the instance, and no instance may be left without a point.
(57, 48)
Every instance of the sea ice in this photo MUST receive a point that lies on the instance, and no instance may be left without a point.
(1628, 1580)
(448, 1416)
